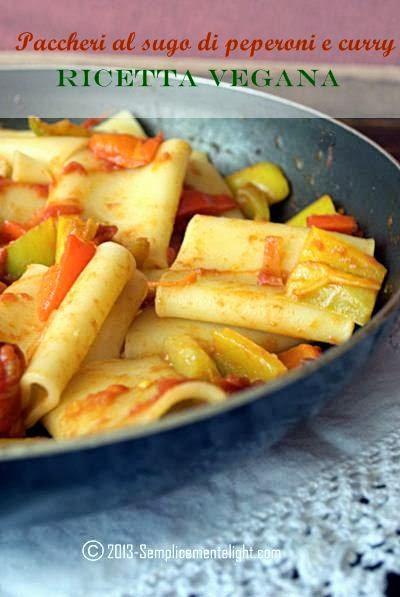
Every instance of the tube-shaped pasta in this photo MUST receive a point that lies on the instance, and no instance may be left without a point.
(19, 202)
(113, 394)
(148, 333)
(110, 339)
(141, 202)
(19, 321)
(73, 328)
(226, 244)
(123, 123)
(29, 170)
(224, 299)
(52, 151)
(203, 176)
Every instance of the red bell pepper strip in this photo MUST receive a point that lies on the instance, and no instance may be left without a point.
(104, 233)
(299, 355)
(271, 272)
(125, 151)
(89, 123)
(12, 365)
(195, 202)
(334, 223)
(10, 231)
(59, 278)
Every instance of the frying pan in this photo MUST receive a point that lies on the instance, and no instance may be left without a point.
(47, 481)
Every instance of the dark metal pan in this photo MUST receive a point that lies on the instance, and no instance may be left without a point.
(50, 480)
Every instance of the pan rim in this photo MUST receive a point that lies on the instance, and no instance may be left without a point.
(45, 448)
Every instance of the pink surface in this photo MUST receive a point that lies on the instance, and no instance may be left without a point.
(229, 18)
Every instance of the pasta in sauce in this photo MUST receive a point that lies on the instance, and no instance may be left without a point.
(136, 280)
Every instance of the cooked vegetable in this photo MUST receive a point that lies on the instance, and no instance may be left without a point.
(195, 202)
(52, 211)
(299, 355)
(334, 223)
(10, 231)
(38, 245)
(310, 276)
(334, 275)
(66, 225)
(271, 273)
(322, 206)
(325, 247)
(12, 366)
(124, 151)
(229, 298)
(61, 128)
(58, 279)
(28, 170)
(103, 233)
(189, 359)
(239, 356)
(253, 202)
(266, 176)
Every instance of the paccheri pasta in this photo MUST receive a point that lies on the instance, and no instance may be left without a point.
(136, 281)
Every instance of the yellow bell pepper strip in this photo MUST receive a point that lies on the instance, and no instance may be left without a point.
(271, 272)
(85, 229)
(253, 203)
(299, 355)
(334, 275)
(310, 276)
(322, 206)
(334, 223)
(315, 285)
(239, 356)
(324, 247)
(61, 128)
(266, 176)
(37, 245)
(189, 359)
(124, 151)
(58, 279)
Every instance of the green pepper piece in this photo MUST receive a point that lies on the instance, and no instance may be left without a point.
(237, 355)
(189, 359)
(38, 245)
